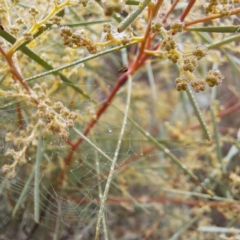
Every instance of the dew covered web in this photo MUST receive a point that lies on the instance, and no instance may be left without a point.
(148, 192)
(72, 201)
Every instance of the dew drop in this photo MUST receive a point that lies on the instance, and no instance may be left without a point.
(166, 151)
(13, 181)
(110, 130)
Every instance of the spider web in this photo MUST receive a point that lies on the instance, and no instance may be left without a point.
(74, 202)
(69, 204)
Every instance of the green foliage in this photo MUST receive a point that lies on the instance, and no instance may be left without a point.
(149, 151)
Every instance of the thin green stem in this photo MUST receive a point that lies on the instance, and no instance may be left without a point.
(23, 194)
(42, 63)
(132, 2)
(170, 155)
(78, 62)
(185, 227)
(112, 169)
(217, 139)
(133, 15)
(221, 29)
(92, 144)
(198, 113)
(37, 180)
(100, 193)
(224, 41)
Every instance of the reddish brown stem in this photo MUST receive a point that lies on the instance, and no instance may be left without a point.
(186, 11)
(156, 8)
(223, 113)
(209, 18)
(169, 11)
(121, 81)
(152, 36)
(141, 58)
(150, 231)
(14, 70)
(230, 102)
(141, 50)
(19, 77)
(20, 118)
(134, 158)
(163, 199)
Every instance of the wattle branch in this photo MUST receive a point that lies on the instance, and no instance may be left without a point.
(138, 62)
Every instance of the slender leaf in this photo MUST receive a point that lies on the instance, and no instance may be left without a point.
(23, 194)
(37, 180)
(221, 29)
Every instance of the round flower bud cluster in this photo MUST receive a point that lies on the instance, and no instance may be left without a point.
(66, 32)
(224, 2)
(168, 43)
(112, 6)
(24, 138)
(107, 31)
(215, 2)
(156, 26)
(56, 20)
(2, 9)
(214, 77)
(190, 63)
(10, 170)
(111, 34)
(125, 39)
(14, 30)
(198, 85)
(19, 21)
(210, 8)
(83, 2)
(125, 36)
(58, 118)
(77, 39)
(17, 90)
(181, 84)
(59, 122)
(28, 36)
(33, 11)
(92, 48)
(225, 12)
(177, 26)
(200, 52)
(41, 91)
(107, 27)
(173, 56)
